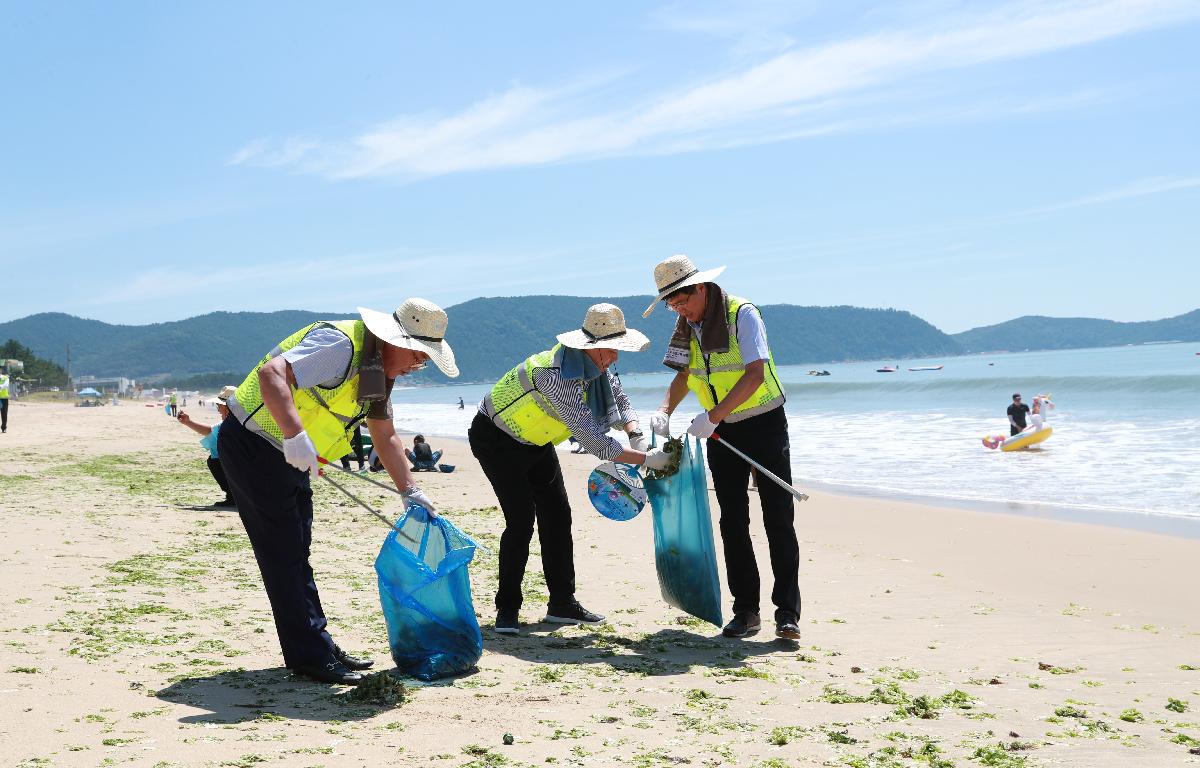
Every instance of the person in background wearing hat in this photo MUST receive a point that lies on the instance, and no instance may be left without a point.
(566, 391)
(719, 351)
(209, 442)
(298, 406)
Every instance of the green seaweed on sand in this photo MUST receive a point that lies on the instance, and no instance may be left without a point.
(997, 756)
(1177, 705)
(1131, 715)
(382, 689)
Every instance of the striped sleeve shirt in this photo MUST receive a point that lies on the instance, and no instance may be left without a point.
(567, 398)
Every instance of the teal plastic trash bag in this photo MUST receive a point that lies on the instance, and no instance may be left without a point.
(684, 552)
(425, 591)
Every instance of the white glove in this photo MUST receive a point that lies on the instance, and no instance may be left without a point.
(660, 423)
(657, 459)
(415, 495)
(702, 427)
(300, 452)
(639, 443)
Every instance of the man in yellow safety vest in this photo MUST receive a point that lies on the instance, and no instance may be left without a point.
(566, 391)
(303, 402)
(719, 352)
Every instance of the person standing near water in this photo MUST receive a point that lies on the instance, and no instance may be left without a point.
(719, 351)
(565, 391)
(1016, 415)
(299, 405)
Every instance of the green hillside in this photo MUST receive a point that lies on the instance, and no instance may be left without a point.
(1037, 332)
(489, 335)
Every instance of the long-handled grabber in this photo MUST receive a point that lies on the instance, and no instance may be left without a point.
(359, 501)
(763, 470)
(326, 463)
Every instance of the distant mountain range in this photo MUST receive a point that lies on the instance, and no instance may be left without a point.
(1037, 332)
(490, 335)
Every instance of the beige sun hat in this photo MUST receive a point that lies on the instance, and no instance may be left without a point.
(227, 392)
(416, 324)
(677, 272)
(604, 328)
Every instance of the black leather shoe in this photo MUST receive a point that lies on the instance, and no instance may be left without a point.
(572, 613)
(742, 624)
(225, 502)
(352, 662)
(333, 671)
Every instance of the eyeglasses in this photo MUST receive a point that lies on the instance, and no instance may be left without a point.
(677, 303)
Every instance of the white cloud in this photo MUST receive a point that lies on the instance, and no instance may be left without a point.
(794, 94)
(1143, 187)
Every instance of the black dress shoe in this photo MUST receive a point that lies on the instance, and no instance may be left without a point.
(332, 671)
(351, 662)
(225, 502)
(742, 624)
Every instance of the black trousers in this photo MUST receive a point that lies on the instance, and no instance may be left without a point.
(274, 500)
(3, 413)
(218, 472)
(1014, 430)
(528, 483)
(357, 446)
(765, 439)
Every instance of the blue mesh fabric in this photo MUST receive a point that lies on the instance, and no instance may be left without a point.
(425, 591)
(684, 552)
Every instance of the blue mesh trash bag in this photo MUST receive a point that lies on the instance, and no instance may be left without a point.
(684, 552)
(616, 491)
(426, 595)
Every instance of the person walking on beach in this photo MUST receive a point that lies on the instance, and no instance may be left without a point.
(5, 383)
(719, 351)
(1016, 415)
(209, 442)
(299, 404)
(174, 403)
(566, 391)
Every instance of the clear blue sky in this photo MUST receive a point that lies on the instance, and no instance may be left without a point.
(968, 162)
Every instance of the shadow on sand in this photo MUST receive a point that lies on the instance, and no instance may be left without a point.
(239, 696)
(665, 652)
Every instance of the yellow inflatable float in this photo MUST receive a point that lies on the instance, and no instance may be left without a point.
(1038, 432)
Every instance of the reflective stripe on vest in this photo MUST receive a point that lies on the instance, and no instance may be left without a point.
(329, 416)
(711, 377)
(517, 407)
(3, 386)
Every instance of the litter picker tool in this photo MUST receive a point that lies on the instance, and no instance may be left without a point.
(372, 481)
(359, 501)
(763, 470)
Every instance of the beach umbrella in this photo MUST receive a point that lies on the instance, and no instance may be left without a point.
(88, 392)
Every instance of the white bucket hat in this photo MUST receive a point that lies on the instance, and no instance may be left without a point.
(417, 324)
(604, 328)
(677, 272)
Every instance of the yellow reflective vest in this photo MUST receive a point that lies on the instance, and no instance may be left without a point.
(3, 386)
(329, 416)
(712, 376)
(516, 406)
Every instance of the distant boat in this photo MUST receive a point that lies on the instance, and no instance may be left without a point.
(928, 368)
(890, 369)
(819, 373)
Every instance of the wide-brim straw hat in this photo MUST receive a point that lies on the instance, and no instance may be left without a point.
(227, 392)
(416, 324)
(604, 328)
(678, 272)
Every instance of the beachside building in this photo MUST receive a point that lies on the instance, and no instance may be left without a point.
(108, 385)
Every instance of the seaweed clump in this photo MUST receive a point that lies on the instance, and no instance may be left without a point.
(381, 689)
(674, 448)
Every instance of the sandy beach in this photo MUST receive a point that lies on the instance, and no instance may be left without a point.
(135, 631)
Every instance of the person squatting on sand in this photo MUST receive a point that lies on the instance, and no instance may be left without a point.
(719, 351)
(302, 401)
(565, 391)
(209, 442)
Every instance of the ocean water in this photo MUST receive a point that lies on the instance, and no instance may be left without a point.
(1126, 429)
